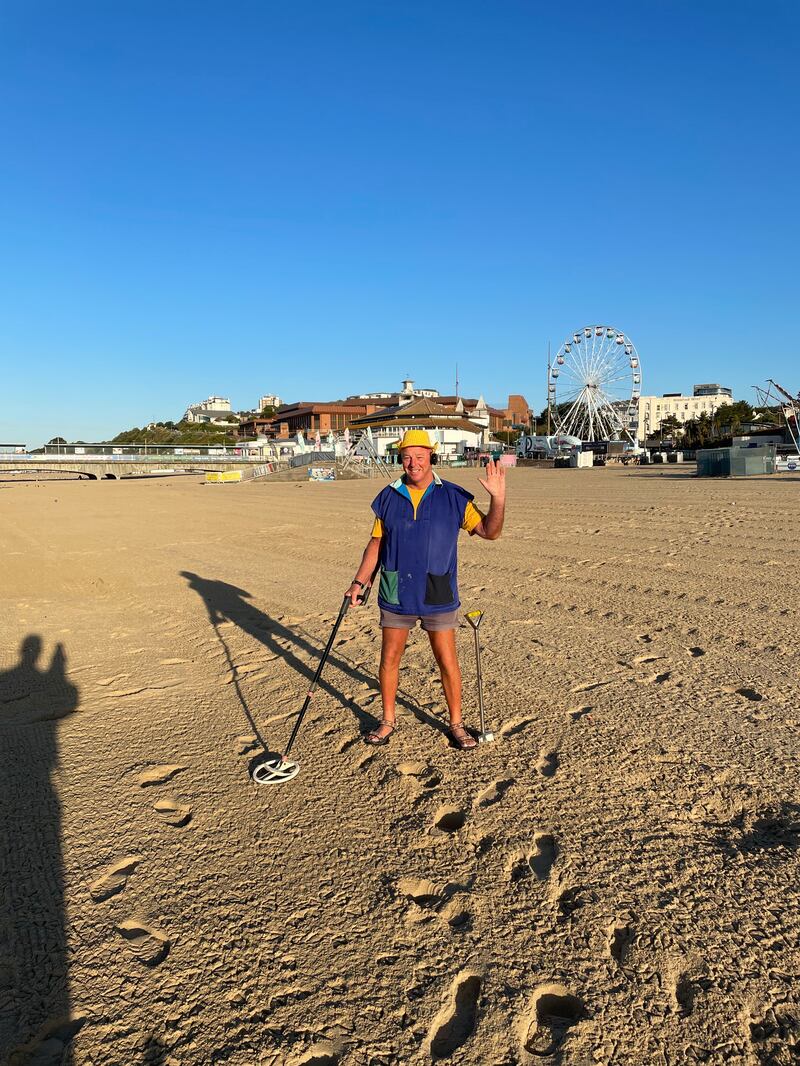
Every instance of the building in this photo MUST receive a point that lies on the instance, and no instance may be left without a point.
(215, 409)
(270, 400)
(517, 414)
(450, 429)
(335, 416)
(475, 410)
(310, 418)
(654, 409)
(712, 390)
(406, 394)
(250, 428)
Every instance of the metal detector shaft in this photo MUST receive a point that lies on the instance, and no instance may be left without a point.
(323, 659)
(480, 681)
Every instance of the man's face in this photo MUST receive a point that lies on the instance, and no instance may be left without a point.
(416, 463)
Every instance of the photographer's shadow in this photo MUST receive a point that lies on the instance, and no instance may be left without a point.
(35, 1009)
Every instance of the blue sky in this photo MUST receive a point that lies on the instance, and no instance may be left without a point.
(320, 198)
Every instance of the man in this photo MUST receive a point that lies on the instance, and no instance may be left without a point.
(414, 538)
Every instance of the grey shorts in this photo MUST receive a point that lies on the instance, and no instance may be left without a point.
(431, 623)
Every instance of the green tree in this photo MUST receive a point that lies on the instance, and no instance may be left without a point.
(671, 427)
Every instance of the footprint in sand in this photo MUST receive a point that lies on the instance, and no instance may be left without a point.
(544, 855)
(553, 1011)
(538, 863)
(158, 775)
(696, 652)
(419, 772)
(323, 1053)
(657, 679)
(620, 941)
(114, 879)
(455, 1022)
(420, 891)
(572, 899)
(172, 811)
(683, 991)
(349, 743)
(448, 820)
(51, 1042)
(418, 778)
(587, 686)
(576, 713)
(148, 945)
(430, 898)
(510, 729)
(548, 763)
(494, 792)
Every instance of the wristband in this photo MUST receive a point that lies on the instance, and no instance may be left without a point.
(361, 584)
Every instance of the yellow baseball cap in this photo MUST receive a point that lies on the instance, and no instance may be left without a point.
(416, 438)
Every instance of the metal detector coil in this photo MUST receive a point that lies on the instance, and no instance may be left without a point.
(277, 771)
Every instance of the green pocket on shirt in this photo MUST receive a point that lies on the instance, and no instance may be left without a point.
(387, 589)
(438, 590)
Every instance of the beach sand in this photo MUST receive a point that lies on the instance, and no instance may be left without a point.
(614, 880)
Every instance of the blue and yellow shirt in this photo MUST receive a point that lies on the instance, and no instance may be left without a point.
(419, 537)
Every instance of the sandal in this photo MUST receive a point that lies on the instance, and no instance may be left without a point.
(461, 738)
(374, 739)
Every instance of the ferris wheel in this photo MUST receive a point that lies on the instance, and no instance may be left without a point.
(594, 385)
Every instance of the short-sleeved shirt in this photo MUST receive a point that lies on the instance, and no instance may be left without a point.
(419, 534)
(472, 516)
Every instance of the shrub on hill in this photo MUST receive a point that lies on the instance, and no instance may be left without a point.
(179, 433)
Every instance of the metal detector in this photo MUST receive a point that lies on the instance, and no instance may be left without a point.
(475, 618)
(276, 770)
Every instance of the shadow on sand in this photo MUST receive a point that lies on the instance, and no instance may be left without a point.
(226, 603)
(36, 1021)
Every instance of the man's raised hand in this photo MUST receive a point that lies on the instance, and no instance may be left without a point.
(495, 480)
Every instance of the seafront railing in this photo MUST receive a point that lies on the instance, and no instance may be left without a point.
(99, 457)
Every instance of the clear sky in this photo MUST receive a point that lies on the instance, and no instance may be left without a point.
(318, 198)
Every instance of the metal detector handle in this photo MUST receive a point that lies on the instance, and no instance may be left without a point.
(363, 599)
(323, 659)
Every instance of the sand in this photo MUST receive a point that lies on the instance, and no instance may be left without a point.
(614, 880)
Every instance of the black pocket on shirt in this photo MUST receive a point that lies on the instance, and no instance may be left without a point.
(438, 590)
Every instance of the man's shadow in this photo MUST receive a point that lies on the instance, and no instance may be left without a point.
(35, 1009)
(227, 603)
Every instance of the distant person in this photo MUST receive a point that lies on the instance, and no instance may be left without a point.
(414, 538)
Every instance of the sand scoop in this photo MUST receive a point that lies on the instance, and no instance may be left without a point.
(475, 618)
(278, 769)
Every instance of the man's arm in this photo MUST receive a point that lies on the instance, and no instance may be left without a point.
(490, 527)
(365, 572)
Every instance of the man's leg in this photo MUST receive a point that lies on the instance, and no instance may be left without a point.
(443, 643)
(393, 643)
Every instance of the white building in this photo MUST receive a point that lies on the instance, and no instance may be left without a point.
(406, 394)
(654, 409)
(452, 432)
(270, 400)
(214, 409)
